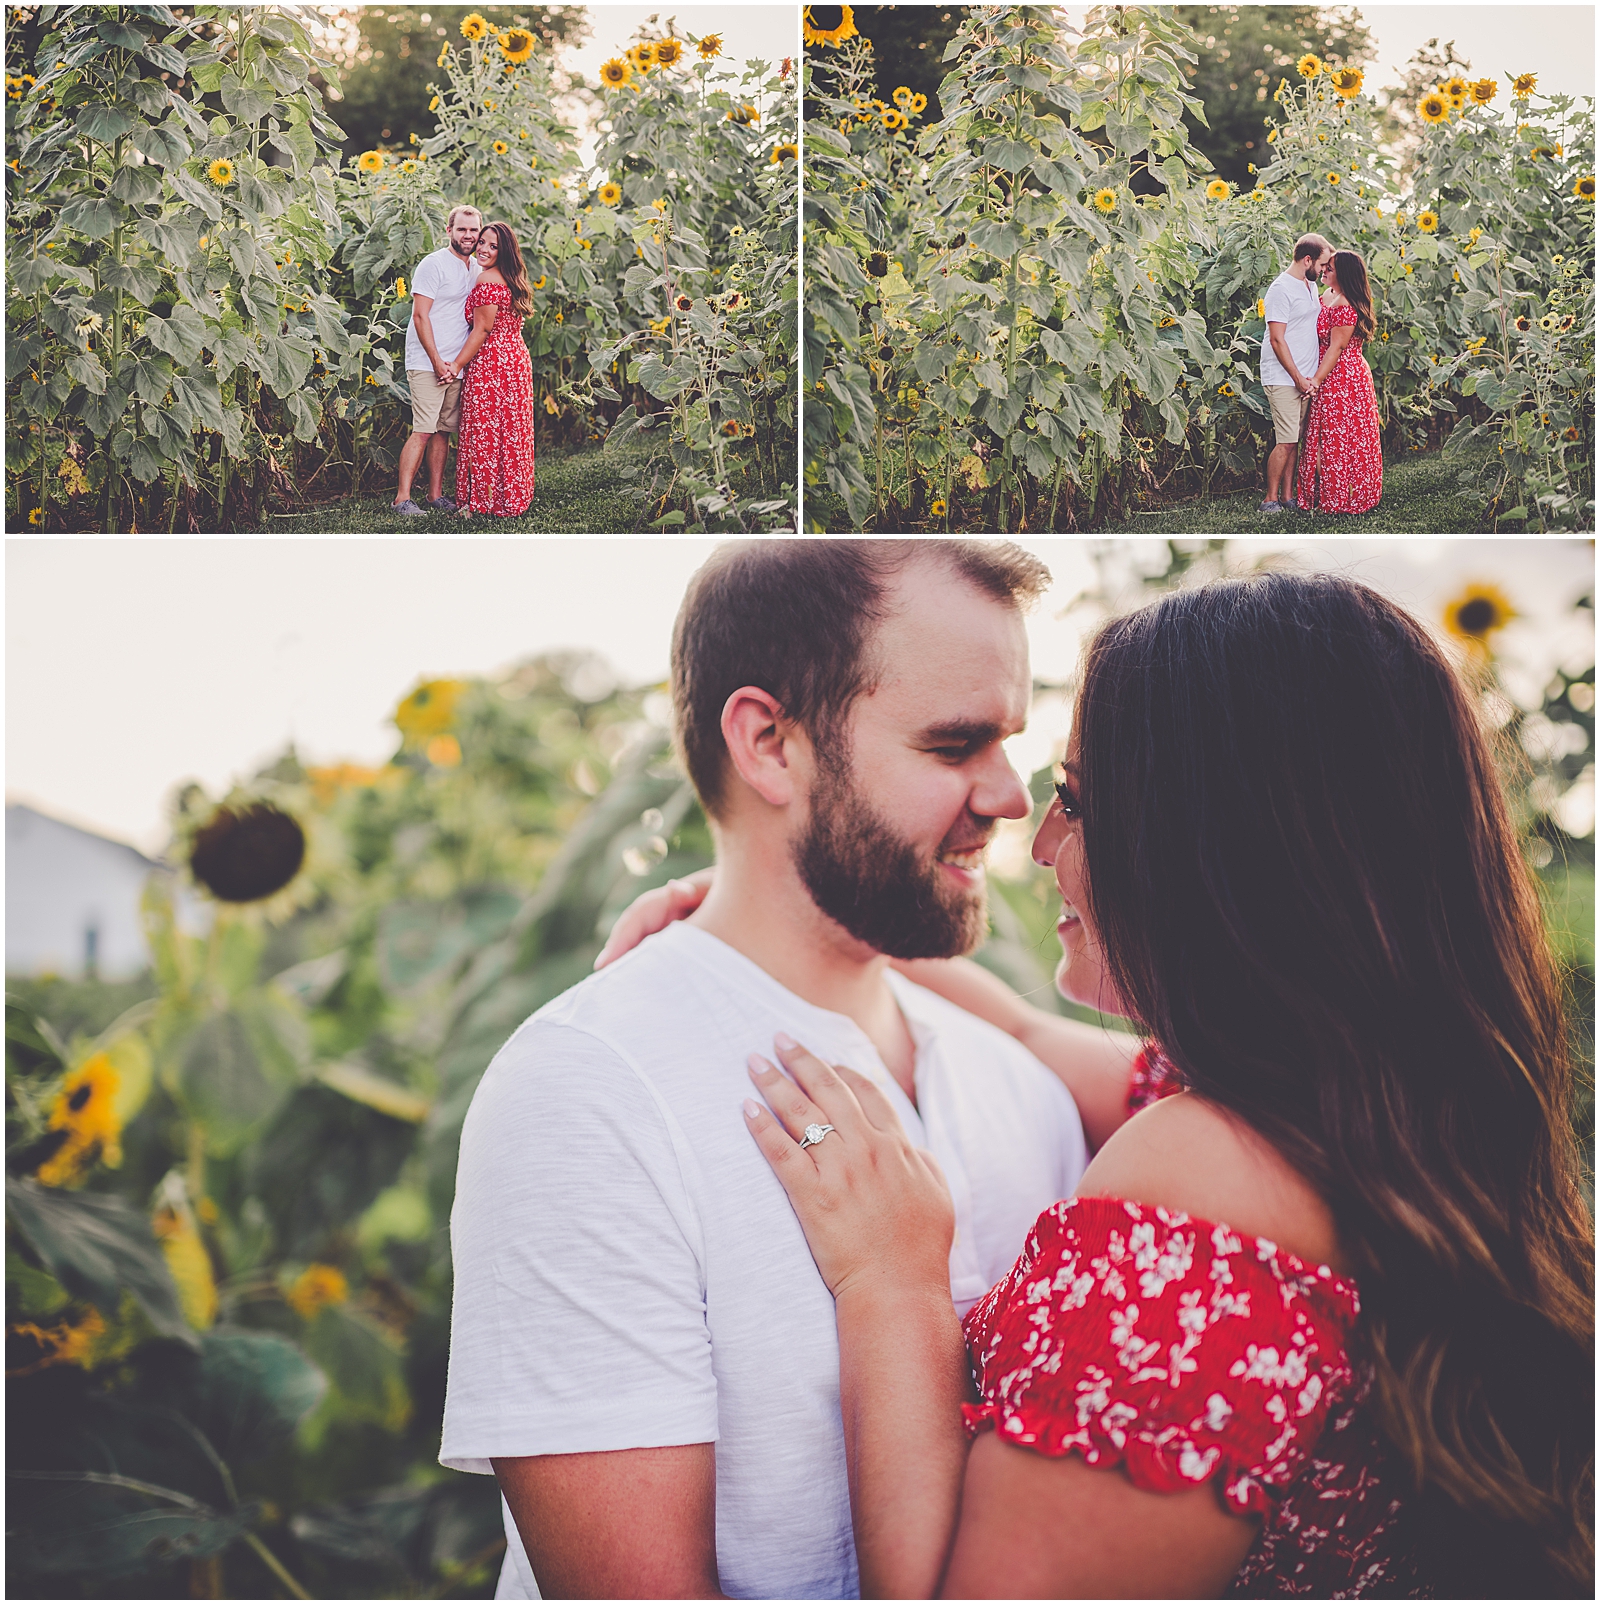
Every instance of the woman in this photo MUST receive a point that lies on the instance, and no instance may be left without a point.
(494, 461)
(1341, 461)
(1320, 1318)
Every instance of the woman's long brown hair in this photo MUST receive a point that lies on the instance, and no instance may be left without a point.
(1309, 888)
(1350, 273)
(512, 269)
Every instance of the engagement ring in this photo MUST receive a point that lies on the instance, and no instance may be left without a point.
(814, 1134)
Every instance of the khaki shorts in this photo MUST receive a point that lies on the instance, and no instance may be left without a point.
(434, 407)
(1288, 408)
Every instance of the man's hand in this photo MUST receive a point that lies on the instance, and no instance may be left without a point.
(631, 1524)
(445, 374)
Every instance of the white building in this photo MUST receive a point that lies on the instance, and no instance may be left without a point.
(72, 900)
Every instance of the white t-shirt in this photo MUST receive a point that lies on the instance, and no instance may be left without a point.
(1294, 303)
(449, 280)
(629, 1272)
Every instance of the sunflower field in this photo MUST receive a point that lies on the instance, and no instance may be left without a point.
(206, 313)
(1044, 310)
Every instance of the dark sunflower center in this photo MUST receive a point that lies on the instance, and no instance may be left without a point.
(80, 1097)
(826, 18)
(247, 854)
(1475, 617)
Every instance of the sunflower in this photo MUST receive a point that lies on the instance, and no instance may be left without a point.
(878, 264)
(1433, 107)
(36, 516)
(892, 119)
(845, 125)
(1333, 178)
(1474, 235)
(829, 25)
(1258, 193)
(1218, 190)
(642, 55)
(516, 45)
(1477, 613)
(500, 147)
(1483, 91)
(246, 853)
(785, 153)
(473, 27)
(400, 289)
(444, 52)
(938, 510)
(370, 161)
(540, 282)
(1584, 188)
(615, 73)
(1261, 308)
(1455, 88)
(1226, 389)
(731, 428)
(1308, 66)
(1272, 137)
(1570, 433)
(317, 1286)
(1549, 323)
(610, 194)
(710, 46)
(745, 115)
(220, 172)
(683, 303)
(1566, 323)
(660, 325)
(668, 51)
(86, 1112)
(1347, 82)
(1522, 325)
(1427, 222)
(433, 105)
(428, 711)
(1523, 85)
(1105, 200)
(918, 102)
(902, 97)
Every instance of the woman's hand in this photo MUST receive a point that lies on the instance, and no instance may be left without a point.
(875, 1210)
(653, 911)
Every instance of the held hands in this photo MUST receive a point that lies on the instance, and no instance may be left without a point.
(875, 1210)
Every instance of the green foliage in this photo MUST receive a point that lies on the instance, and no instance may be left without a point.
(206, 313)
(1242, 52)
(1043, 312)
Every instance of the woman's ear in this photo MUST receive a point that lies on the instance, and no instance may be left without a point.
(762, 744)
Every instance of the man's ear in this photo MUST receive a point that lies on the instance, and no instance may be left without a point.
(762, 744)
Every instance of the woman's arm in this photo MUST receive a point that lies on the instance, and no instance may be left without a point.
(482, 322)
(1338, 339)
(1095, 1065)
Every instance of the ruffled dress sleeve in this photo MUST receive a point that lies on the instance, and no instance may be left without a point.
(1170, 1346)
(1154, 1077)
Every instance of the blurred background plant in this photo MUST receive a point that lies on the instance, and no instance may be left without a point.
(229, 1180)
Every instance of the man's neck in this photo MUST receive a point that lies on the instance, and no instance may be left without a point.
(1300, 270)
(760, 907)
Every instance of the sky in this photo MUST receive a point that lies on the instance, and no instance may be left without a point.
(1557, 42)
(133, 665)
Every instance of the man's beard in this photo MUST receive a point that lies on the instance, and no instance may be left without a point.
(865, 877)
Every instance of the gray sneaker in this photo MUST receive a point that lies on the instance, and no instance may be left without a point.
(442, 504)
(1270, 507)
(409, 509)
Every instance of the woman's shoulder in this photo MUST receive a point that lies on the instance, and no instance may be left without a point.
(1185, 1153)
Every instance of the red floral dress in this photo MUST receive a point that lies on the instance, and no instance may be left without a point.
(1185, 1352)
(494, 461)
(1341, 462)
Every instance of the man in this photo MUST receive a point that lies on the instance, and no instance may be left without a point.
(1288, 362)
(641, 1346)
(434, 337)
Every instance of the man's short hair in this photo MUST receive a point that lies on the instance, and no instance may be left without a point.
(1312, 245)
(450, 221)
(794, 618)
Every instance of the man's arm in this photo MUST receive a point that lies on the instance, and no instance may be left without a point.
(1280, 349)
(632, 1524)
(1093, 1064)
(422, 316)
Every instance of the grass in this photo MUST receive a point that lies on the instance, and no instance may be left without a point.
(1420, 496)
(577, 491)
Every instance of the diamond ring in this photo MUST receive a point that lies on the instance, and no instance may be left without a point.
(814, 1134)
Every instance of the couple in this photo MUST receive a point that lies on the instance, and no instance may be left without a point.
(1318, 384)
(469, 371)
(1316, 1318)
